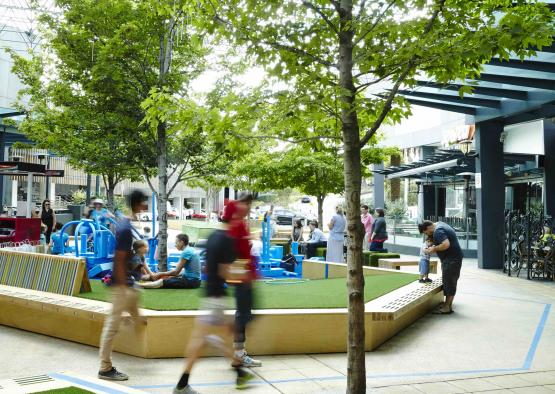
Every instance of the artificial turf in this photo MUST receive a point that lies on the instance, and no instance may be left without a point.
(323, 293)
(66, 390)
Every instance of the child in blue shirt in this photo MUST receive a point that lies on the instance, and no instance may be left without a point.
(57, 240)
(424, 264)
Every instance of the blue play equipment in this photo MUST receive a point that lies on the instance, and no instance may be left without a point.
(94, 242)
(270, 259)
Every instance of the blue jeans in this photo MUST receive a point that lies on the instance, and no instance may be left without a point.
(424, 267)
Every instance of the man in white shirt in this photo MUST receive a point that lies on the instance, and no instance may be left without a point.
(316, 239)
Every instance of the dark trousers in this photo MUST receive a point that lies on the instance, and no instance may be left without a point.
(243, 313)
(377, 247)
(311, 248)
(180, 283)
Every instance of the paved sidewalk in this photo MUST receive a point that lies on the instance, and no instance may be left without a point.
(501, 338)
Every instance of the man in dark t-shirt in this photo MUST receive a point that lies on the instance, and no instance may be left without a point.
(124, 296)
(220, 253)
(446, 245)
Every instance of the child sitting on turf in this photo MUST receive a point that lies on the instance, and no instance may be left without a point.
(424, 264)
(138, 267)
(57, 240)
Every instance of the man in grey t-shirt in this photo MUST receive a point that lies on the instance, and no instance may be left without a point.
(447, 247)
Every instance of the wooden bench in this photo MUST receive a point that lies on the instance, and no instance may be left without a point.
(407, 261)
(44, 272)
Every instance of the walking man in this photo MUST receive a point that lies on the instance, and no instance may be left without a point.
(220, 253)
(447, 247)
(125, 297)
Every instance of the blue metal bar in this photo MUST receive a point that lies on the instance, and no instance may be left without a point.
(453, 99)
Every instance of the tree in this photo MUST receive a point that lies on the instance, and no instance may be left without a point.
(363, 52)
(129, 64)
(74, 123)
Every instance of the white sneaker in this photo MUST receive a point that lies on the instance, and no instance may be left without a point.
(246, 360)
(185, 390)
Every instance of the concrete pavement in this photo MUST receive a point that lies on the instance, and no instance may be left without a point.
(501, 338)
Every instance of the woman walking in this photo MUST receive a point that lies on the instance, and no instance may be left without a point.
(337, 224)
(48, 218)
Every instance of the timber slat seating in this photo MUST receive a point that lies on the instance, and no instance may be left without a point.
(36, 271)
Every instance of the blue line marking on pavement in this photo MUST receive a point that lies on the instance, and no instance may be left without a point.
(341, 377)
(536, 340)
(503, 297)
(86, 383)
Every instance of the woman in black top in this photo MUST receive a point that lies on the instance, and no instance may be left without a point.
(379, 233)
(297, 231)
(48, 218)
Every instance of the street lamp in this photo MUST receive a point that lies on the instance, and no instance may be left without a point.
(466, 146)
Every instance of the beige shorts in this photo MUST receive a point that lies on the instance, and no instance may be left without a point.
(216, 307)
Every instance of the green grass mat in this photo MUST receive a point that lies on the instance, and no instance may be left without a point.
(66, 390)
(323, 293)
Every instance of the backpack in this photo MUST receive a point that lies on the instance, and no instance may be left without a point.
(288, 263)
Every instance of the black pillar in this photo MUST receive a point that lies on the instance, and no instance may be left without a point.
(429, 201)
(490, 194)
(549, 167)
(88, 189)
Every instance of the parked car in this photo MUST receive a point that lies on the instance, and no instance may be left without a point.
(305, 200)
(199, 215)
(285, 217)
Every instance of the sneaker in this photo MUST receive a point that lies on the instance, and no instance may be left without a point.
(421, 281)
(428, 280)
(112, 374)
(185, 390)
(248, 361)
(242, 381)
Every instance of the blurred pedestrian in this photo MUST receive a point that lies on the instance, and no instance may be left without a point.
(236, 213)
(220, 253)
(125, 297)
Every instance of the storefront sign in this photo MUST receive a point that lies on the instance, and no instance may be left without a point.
(54, 173)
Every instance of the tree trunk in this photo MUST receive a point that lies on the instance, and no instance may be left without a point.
(165, 58)
(162, 197)
(356, 369)
(110, 185)
(395, 183)
(320, 200)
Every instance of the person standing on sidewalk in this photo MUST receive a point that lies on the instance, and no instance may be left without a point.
(236, 212)
(125, 297)
(446, 245)
(220, 253)
(367, 219)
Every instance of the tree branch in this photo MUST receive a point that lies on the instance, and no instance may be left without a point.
(274, 44)
(373, 26)
(319, 11)
(361, 9)
(387, 106)
(293, 141)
